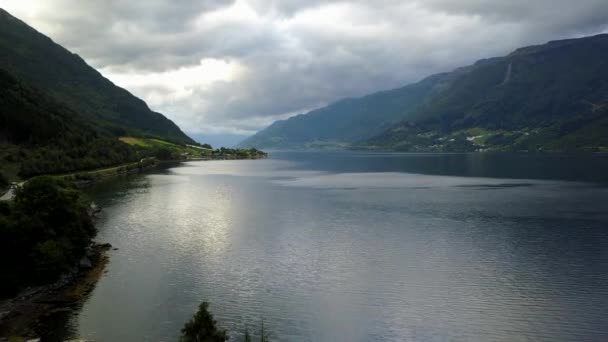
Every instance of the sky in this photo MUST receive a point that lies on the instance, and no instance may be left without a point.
(223, 69)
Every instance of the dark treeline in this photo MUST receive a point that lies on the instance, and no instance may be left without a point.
(44, 232)
(178, 152)
(241, 153)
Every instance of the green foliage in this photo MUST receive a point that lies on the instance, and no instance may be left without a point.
(67, 78)
(548, 97)
(3, 180)
(51, 137)
(164, 150)
(203, 328)
(43, 233)
(239, 153)
(163, 153)
(161, 149)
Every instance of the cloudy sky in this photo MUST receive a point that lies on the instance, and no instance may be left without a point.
(222, 69)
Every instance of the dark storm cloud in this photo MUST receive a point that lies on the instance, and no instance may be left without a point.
(290, 56)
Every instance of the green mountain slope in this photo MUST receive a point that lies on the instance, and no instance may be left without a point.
(36, 59)
(347, 121)
(546, 97)
(39, 135)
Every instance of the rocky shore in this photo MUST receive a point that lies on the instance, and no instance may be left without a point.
(22, 315)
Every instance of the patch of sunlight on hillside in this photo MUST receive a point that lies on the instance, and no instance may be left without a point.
(135, 141)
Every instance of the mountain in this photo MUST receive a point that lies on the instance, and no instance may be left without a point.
(346, 121)
(37, 60)
(39, 135)
(547, 97)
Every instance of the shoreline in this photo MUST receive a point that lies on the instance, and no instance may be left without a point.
(85, 177)
(21, 315)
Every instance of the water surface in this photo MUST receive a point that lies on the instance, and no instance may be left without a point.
(359, 247)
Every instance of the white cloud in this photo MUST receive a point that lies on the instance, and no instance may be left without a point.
(175, 84)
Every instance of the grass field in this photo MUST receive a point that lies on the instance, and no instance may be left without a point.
(135, 141)
(157, 143)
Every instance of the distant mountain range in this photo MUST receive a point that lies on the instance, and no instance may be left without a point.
(35, 59)
(551, 97)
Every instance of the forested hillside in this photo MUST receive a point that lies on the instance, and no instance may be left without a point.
(39, 135)
(345, 122)
(64, 76)
(547, 97)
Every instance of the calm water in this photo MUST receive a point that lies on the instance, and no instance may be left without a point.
(359, 247)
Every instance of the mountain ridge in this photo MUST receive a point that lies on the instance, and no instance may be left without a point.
(535, 91)
(536, 98)
(28, 54)
(364, 119)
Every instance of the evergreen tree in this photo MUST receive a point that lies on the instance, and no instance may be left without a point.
(203, 328)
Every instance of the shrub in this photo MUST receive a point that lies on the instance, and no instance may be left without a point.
(202, 327)
(3, 180)
(43, 232)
